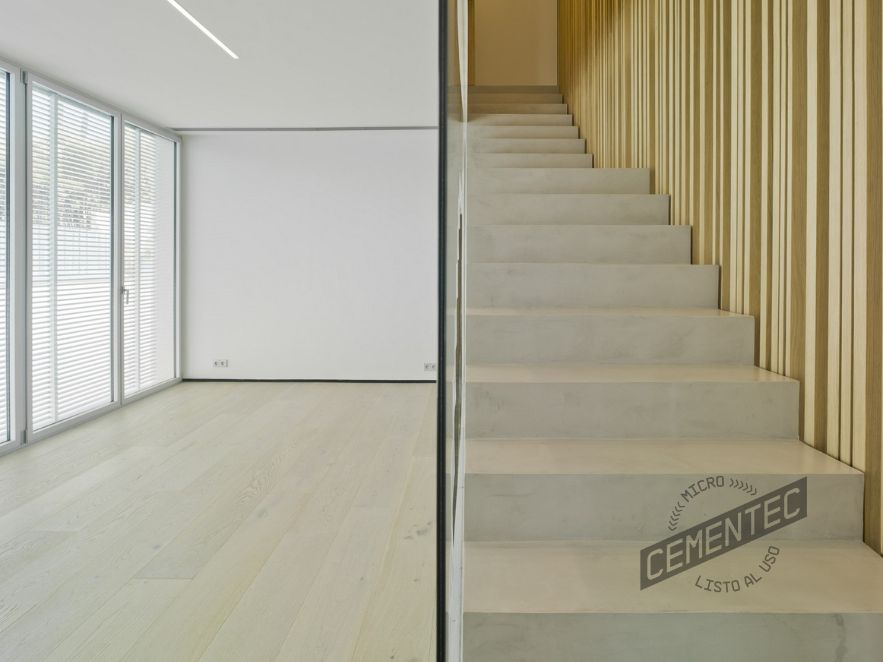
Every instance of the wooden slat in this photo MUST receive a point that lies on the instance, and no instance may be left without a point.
(874, 253)
(762, 119)
(470, 32)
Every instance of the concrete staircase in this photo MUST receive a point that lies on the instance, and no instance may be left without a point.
(603, 381)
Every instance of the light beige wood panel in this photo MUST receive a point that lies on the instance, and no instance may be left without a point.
(213, 521)
(109, 632)
(514, 42)
(762, 119)
(409, 568)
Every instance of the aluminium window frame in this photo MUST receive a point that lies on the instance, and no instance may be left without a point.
(32, 80)
(16, 260)
(148, 127)
(21, 82)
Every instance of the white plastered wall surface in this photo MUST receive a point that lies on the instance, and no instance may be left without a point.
(309, 254)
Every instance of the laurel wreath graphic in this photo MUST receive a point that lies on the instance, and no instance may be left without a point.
(674, 517)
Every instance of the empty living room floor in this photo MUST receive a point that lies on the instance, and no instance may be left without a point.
(226, 521)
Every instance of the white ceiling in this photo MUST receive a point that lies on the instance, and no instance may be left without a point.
(302, 63)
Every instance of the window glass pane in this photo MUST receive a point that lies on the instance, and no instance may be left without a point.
(71, 252)
(4, 253)
(148, 260)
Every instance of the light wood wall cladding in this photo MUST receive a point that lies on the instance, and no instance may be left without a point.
(762, 119)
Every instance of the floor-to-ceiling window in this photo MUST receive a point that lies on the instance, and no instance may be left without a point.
(71, 244)
(88, 257)
(4, 253)
(148, 260)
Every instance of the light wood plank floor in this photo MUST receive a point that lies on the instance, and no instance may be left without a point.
(226, 521)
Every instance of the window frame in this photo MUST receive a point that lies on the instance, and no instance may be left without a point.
(8, 111)
(21, 83)
(16, 259)
(131, 120)
(31, 82)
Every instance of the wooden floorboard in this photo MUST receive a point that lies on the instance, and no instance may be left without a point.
(226, 521)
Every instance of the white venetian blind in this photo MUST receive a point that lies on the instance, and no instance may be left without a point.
(4, 252)
(148, 260)
(71, 251)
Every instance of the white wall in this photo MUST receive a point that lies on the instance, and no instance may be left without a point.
(516, 42)
(309, 255)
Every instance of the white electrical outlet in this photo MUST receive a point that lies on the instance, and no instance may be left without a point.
(429, 367)
(221, 363)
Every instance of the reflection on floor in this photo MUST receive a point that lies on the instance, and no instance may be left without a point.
(226, 521)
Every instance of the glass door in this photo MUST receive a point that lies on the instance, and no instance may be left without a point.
(149, 238)
(71, 248)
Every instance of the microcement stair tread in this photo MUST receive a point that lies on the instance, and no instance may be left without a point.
(607, 312)
(576, 373)
(649, 456)
(573, 577)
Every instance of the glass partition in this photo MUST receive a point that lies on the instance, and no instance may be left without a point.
(452, 200)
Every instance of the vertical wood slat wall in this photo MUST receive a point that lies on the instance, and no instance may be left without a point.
(762, 119)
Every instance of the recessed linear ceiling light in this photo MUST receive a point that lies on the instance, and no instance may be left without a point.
(203, 29)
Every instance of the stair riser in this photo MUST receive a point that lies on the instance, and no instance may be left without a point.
(514, 97)
(610, 339)
(569, 209)
(506, 89)
(531, 160)
(633, 410)
(592, 244)
(672, 637)
(521, 119)
(549, 285)
(517, 108)
(528, 145)
(550, 180)
(638, 506)
(479, 131)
